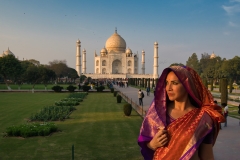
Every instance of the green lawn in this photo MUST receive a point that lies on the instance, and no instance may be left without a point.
(29, 86)
(97, 129)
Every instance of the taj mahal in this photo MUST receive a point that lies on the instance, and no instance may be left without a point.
(116, 61)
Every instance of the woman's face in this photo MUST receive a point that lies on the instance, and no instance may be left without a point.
(174, 88)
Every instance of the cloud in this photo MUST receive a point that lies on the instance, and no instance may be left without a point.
(232, 24)
(226, 33)
(232, 10)
(234, 0)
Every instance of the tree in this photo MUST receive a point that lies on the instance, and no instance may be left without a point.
(46, 75)
(72, 73)
(10, 68)
(59, 67)
(203, 62)
(231, 69)
(177, 64)
(193, 63)
(235, 67)
(34, 62)
(82, 78)
(210, 68)
(33, 75)
(224, 92)
(20, 78)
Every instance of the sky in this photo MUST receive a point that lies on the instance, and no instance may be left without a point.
(47, 30)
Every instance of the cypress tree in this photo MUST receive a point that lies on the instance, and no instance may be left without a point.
(205, 82)
(211, 83)
(153, 85)
(230, 85)
(156, 80)
(224, 91)
(219, 84)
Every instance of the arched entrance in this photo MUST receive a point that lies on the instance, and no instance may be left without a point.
(116, 67)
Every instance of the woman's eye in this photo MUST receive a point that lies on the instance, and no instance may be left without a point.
(175, 83)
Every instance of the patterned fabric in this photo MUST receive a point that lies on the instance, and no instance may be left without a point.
(208, 138)
(194, 125)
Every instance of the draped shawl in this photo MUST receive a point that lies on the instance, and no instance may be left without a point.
(187, 132)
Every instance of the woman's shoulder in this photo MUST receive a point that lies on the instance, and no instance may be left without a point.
(207, 118)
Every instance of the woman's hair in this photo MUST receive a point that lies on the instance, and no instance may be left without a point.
(194, 103)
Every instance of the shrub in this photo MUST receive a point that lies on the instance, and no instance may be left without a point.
(31, 129)
(86, 83)
(57, 88)
(72, 99)
(86, 88)
(119, 98)
(100, 89)
(71, 88)
(53, 113)
(67, 103)
(112, 90)
(115, 93)
(127, 109)
(81, 95)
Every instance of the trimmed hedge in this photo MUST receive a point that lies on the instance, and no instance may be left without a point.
(57, 88)
(119, 98)
(127, 109)
(53, 113)
(100, 89)
(71, 88)
(31, 129)
(86, 88)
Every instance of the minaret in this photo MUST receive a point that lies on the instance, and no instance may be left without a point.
(78, 58)
(143, 62)
(84, 61)
(155, 63)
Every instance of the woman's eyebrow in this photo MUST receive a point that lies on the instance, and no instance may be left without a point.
(173, 80)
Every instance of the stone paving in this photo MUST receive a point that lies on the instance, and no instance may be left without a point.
(227, 145)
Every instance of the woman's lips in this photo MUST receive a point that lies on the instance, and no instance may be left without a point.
(170, 94)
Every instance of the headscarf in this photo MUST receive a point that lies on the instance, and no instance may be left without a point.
(156, 115)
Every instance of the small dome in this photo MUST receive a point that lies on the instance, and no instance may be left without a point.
(156, 42)
(104, 50)
(8, 52)
(2, 55)
(213, 56)
(84, 50)
(129, 51)
(116, 43)
(78, 41)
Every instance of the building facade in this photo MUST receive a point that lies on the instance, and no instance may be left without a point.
(116, 61)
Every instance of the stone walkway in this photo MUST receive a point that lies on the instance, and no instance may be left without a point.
(227, 145)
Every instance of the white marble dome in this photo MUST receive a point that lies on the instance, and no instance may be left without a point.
(116, 43)
(7, 52)
(129, 52)
(213, 55)
(103, 52)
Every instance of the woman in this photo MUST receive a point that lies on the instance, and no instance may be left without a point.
(182, 121)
